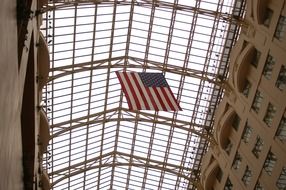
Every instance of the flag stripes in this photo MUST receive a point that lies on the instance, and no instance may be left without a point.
(142, 97)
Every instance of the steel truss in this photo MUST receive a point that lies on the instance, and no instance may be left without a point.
(125, 160)
(115, 122)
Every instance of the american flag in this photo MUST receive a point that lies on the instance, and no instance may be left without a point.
(147, 91)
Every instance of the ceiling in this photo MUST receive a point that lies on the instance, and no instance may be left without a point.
(97, 142)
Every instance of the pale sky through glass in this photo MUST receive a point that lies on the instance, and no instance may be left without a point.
(97, 142)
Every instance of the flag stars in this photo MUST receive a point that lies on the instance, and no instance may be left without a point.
(153, 79)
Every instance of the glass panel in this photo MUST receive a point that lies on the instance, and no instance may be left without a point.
(281, 182)
(247, 176)
(281, 80)
(219, 175)
(97, 141)
(246, 88)
(281, 132)
(258, 186)
(257, 147)
(228, 146)
(268, 67)
(228, 185)
(270, 113)
(246, 133)
(257, 101)
(256, 57)
(281, 28)
(237, 161)
(269, 163)
(236, 122)
(268, 17)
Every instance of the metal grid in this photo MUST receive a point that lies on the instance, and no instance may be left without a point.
(97, 143)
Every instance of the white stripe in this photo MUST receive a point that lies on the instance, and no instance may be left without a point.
(157, 102)
(163, 98)
(141, 102)
(173, 101)
(144, 91)
(133, 102)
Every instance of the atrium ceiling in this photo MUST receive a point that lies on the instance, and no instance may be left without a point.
(96, 141)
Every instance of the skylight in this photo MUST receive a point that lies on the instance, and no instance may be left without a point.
(97, 142)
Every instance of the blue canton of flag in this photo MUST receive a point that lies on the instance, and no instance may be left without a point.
(153, 79)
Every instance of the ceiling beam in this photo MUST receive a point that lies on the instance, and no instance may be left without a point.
(103, 64)
(142, 117)
(131, 160)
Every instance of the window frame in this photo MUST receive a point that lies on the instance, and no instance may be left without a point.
(247, 176)
(268, 67)
(270, 114)
(257, 101)
(281, 131)
(258, 146)
(269, 163)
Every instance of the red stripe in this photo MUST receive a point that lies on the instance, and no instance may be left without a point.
(159, 98)
(140, 91)
(124, 90)
(152, 99)
(174, 98)
(166, 91)
(133, 93)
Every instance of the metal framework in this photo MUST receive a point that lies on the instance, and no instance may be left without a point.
(97, 142)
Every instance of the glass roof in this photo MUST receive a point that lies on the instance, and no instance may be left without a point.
(97, 142)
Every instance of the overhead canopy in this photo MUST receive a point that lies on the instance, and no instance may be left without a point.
(96, 141)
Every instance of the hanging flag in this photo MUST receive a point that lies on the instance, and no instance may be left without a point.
(147, 91)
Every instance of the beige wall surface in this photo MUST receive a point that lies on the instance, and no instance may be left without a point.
(10, 129)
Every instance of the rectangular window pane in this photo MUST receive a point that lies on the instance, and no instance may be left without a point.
(268, 17)
(246, 133)
(228, 185)
(256, 58)
(269, 163)
(237, 161)
(258, 186)
(281, 182)
(269, 65)
(236, 122)
(281, 27)
(257, 147)
(246, 88)
(257, 101)
(281, 80)
(281, 132)
(247, 176)
(270, 113)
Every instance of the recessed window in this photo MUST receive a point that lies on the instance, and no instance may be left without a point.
(228, 146)
(281, 80)
(246, 133)
(257, 101)
(281, 131)
(281, 28)
(270, 113)
(281, 182)
(258, 186)
(268, 17)
(246, 178)
(228, 185)
(256, 58)
(269, 162)
(257, 147)
(246, 88)
(236, 122)
(268, 67)
(219, 175)
(237, 161)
